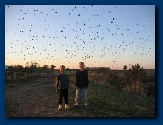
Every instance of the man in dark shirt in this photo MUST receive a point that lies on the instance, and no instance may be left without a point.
(62, 85)
(81, 84)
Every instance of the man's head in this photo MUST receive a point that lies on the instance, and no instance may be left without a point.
(81, 65)
(62, 68)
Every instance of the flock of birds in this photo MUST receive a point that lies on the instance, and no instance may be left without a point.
(83, 39)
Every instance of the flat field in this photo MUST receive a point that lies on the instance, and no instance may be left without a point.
(37, 97)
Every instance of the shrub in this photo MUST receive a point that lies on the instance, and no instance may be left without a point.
(134, 80)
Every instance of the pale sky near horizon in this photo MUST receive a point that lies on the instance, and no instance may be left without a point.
(99, 35)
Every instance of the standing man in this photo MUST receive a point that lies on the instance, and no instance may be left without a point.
(62, 85)
(81, 84)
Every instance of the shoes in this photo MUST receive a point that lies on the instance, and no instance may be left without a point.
(67, 107)
(60, 107)
(76, 103)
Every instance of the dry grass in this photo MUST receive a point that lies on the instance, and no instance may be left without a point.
(38, 98)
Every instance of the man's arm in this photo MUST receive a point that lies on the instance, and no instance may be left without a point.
(57, 82)
(68, 81)
(77, 79)
(86, 79)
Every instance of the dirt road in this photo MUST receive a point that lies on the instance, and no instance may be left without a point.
(35, 98)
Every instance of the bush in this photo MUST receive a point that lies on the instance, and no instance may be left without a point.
(134, 80)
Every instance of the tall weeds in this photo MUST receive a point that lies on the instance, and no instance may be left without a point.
(131, 80)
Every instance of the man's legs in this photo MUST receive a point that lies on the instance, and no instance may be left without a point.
(84, 93)
(60, 94)
(66, 96)
(78, 93)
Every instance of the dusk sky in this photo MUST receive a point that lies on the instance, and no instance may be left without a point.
(99, 35)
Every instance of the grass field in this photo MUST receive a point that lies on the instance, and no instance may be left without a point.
(106, 102)
(38, 98)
